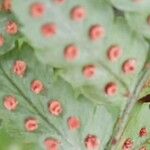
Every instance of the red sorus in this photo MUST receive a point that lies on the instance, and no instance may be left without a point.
(148, 20)
(37, 10)
(143, 132)
(143, 148)
(114, 141)
(97, 32)
(59, 1)
(92, 142)
(49, 30)
(11, 28)
(89, 71)
(51, 144)
(128, 144)
(2, 41)
(55, 108)
(10, 103)
(7, 5)
(71, 53)
(111, 89)
(19, 68)
(137, 1)
(37, 86)
(114, 53)
(31, 124)
(73, 123)
(78, 13)
(129, 66)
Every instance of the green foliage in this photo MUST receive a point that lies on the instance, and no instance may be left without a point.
(132, 5)
(36, 106)
(92, 57)
(9, 39)
(8, 142)
(137, 121)
(91, 52)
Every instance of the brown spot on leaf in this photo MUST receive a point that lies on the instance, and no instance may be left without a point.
(10, 103)
(31, 124)
(51, 144)
(143, 132)
(37, 86)
(19, 68)
(49, 30)
(37, 10)
(78, 13)
(111, 89)
(55, 107)
(11, 28)
(97, 32)
(128, 144)
(71, 53)
(92, 142)
(73, 123)
(89, 71)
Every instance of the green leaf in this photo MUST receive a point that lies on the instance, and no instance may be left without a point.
(96, 120)
(145, 90)
(132, 5)
(133, 47)
(106, 78)
(51, 50)
(69, 32)
(8, 39)
(137, 121)
(140, 22)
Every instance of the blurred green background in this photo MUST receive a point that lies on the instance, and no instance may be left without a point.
(8, 142)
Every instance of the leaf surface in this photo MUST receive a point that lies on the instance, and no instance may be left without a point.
(95, 120)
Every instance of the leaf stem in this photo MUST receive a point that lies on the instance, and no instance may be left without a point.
(123, 119)
(34, 107)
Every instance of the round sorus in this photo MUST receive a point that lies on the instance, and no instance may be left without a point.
(49, 30)
(31, 124)
(71, 53)
(11, 28)
(55, 108)
(92, 142)
(78, 13)
(89, 71)
(128, 144)
(73, 123)
(137, 1)
(7, 4)
(37, 10)
(111, 89)
(2, 41)
(114, 141)
(51, 144)
(114, 53)
(19, 68)
(143, 132)
(10, 103)
(129, 66)
(37, 86)
(59, 1)
(97, 32)
(148, 20)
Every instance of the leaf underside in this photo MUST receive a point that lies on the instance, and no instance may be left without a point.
(32, 105)
(125, 24)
